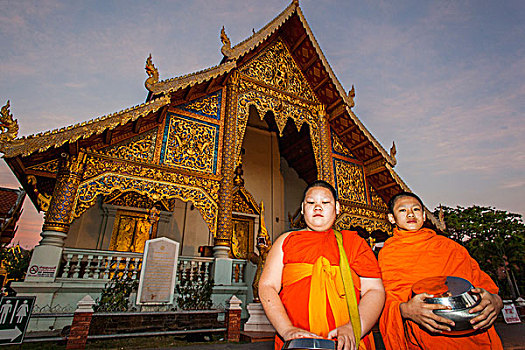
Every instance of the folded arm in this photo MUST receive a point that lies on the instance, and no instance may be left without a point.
(269, 288)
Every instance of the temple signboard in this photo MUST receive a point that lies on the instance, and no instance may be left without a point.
(158, 272)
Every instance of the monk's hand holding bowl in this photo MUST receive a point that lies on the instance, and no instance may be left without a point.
(345, 337)
(420, 312)
(489, 307)
(295, 333)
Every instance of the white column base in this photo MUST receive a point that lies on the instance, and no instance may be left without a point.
(44, 264)
(258, 322)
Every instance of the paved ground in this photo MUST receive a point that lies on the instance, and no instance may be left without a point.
(512, 335)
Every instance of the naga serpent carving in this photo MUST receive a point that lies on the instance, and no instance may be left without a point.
(8, 127)
(153, 74)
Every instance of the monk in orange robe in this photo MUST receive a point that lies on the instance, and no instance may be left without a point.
(301, 288)
(415, 253)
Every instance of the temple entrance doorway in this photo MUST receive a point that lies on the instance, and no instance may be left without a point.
(277, 168)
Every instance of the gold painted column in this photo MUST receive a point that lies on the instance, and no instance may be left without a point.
(58, 217)
(48, 254)
(326, 147)
(222, 242)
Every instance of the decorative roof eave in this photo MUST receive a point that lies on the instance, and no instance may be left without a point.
(258, 38)
(188, 80)
(405, 187)
(40, 142)
(390, 160)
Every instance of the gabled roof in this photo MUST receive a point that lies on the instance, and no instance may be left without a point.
(290, 25)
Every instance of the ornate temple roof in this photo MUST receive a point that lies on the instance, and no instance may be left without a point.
(291, 26)
(40, 142)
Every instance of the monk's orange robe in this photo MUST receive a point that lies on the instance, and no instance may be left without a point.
(410, 256)
(306, 252)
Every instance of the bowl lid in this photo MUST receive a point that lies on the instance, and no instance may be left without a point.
(449, 286)
(309, 343)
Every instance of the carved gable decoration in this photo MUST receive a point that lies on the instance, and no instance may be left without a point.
(140, 148)
(276, 67)
(190, 143)
(208, 106)
(243, 202)
(377, 201)
(47, 167)
(350, 181)
(338, 147)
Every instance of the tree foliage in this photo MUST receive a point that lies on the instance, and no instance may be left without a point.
(15, 261)
(496, 239)
(116, 293)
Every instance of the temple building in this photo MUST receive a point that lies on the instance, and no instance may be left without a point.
(194, 162)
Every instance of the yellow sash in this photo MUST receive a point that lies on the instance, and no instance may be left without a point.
(326, 281)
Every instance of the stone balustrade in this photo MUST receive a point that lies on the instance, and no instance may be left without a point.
(89, 264)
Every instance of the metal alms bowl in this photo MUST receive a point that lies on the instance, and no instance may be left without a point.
(309, 343)
(460, 299)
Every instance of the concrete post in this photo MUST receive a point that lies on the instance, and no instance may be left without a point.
(81, 321)
(233, 319)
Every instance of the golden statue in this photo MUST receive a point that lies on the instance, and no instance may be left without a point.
(263, 245)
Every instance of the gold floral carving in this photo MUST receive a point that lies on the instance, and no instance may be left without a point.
(339, 146)
(135, 200)
(208, 105)
(276, 67)
(105, 184)
(350, 181)
(376, 200)
(361, 211)
(283, 107)
(140, 148)
(191, 145)
(346, 221)
(48, 167)
(97, 166)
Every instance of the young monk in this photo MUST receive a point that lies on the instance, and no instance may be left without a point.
(301, 288)
(415, 253)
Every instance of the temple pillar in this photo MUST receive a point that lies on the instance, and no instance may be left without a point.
(47, 255)
(326, 148)
(222, 241)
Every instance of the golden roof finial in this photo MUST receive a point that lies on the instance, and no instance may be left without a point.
(393, 152)
(351, 95)
(153, 74)
(226, 44)
(8, 127)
